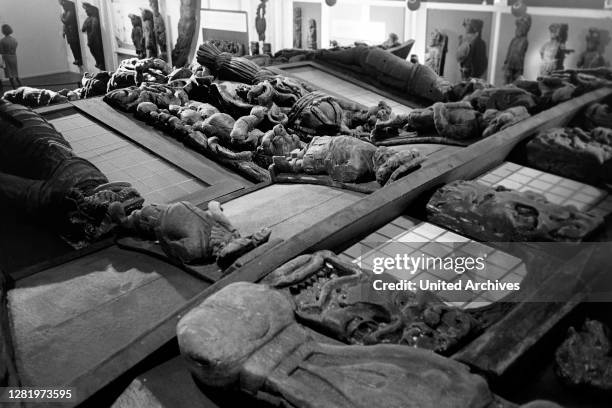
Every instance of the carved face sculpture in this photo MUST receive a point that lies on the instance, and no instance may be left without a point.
(312, 27)
(593, 40)
(473, 26)
(523, 25)
(436, 38)
(338, 299)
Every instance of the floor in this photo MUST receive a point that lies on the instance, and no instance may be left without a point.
(54, 82)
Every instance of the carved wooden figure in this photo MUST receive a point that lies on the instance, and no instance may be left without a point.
(311, 41)
(297, 27)
(91, 26)
(148, 30)
(515, 59)
(186, 32)
(71, 30)
(260, 20)
(159, 27)
(436, 52)
(137, 35)
(553, 52)
(472, 51)
(592, 57)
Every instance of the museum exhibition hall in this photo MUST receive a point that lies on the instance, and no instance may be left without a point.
(306, 204)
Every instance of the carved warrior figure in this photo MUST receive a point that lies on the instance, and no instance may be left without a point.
(246, 336)
(148, 30)
(553, 52)
(186, 32)
(503, 215)
(436, 52)
(311, 40)
(40, 174)
(515, 59)
(472, 50)
(137, 35)
(389, 70)
(592, 57)
(71, 30)
(338, 298)
(189, 234)
(159, 27)
(260, 20)
(91, 26)
(297, 27)
(349, 160)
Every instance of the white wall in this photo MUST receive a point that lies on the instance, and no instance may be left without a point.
(37, 28)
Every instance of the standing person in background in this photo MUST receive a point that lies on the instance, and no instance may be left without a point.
(8, 49)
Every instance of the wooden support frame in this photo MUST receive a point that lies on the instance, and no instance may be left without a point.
(335, 231)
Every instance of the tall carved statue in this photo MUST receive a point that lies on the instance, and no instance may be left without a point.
(260, 20)
(297, 27)
(553, 52)
(71, 30)
(436, 52)
(91, 26)
(515, 59)
(312, 35)
(148, 30)
(137, 35)
(159, 26)
(186, 32)
(472, 51)
(592, 57)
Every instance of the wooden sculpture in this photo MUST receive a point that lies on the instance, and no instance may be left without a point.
(515, 59)
(472, 51)
(436, 52)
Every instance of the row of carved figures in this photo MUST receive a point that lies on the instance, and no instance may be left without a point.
(472, 50)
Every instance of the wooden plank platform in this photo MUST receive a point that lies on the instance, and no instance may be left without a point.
(74, 316)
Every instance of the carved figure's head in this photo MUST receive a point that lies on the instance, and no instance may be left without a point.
(316, 114)
(523, 25)
(473, 26)
(593, 39)
(136, 20)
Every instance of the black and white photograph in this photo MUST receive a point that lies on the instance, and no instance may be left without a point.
(306, 203)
